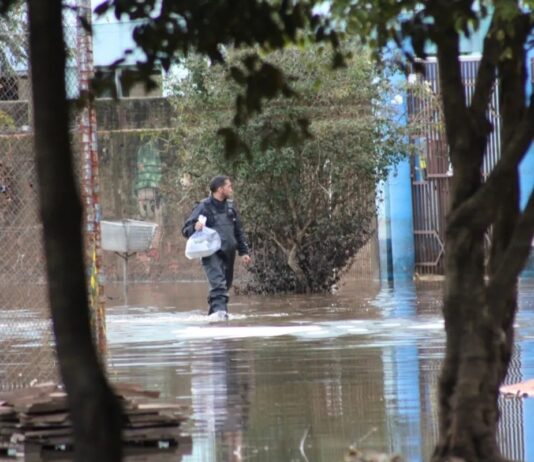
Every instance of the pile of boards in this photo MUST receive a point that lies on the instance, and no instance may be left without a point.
(39, 415)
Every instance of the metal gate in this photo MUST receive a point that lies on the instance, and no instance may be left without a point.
(430, 168)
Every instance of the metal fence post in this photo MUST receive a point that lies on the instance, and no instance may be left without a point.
(90, 178)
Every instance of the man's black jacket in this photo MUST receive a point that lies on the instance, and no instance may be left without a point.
(208, 207)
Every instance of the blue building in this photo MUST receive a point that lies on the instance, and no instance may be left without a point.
(414, 200)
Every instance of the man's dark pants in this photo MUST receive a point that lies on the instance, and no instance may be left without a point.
(219, 269)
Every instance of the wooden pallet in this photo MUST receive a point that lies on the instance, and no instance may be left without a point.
(38, 417)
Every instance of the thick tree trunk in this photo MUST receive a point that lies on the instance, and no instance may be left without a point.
(94, 409)
(478, 324)
(478, 321)
(477, 357)
(479, 328)
(467, 384)
(479, 338)
(481, 299)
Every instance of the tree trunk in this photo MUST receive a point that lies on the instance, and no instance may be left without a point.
(94, 409)
(479, 337)
(479, 340)
(479, 329)
(480, 300)
(476, 359)
(478, 322)
(302, 281)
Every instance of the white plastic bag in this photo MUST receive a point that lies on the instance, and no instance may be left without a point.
(202, 243)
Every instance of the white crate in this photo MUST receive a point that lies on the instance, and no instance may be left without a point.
(127, 235)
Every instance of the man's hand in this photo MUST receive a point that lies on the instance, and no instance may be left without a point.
(246, 259)
(201, 222)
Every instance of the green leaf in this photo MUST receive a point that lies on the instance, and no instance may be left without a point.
(102, 8)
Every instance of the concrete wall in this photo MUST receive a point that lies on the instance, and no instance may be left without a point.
(127, 114)
(123, 128)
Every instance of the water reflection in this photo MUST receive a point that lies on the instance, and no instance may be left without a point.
(339, 365)
(220, 396)
(527, 372)
(401, 370)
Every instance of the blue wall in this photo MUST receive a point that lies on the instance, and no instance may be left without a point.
(401, 215)
(395, 225)
(395, 214)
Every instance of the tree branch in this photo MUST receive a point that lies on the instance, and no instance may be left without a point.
(278, 243)
(452, 90)
(312, 209)
(513, 106)
(513, 76)
(516, 254)
(304, 228)
(486, 74)
(472, 211)
(291, 202)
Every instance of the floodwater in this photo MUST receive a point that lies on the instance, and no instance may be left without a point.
(295, 378)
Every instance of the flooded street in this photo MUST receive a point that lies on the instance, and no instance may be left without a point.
(360, 364)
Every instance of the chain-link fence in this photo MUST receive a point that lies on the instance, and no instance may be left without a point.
(26, 342)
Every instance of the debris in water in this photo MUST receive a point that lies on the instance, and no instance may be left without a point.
(355, 454)
(360, 455)
(521, 390)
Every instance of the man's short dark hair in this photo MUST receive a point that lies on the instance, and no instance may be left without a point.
(217, 182)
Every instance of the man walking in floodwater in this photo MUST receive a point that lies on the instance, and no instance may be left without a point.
(221, 216)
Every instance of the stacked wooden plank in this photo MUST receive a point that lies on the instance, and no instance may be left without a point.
(39, 415)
